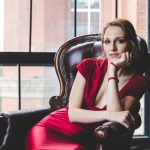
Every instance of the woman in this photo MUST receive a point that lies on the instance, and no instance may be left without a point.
(105, 89)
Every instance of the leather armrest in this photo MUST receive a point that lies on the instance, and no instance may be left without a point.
(110, 132)
(113, 135)
(114, 130)
(15, 125)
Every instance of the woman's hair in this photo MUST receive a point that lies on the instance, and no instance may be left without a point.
(133, 44)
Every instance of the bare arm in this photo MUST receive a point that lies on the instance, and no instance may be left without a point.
(114, 103)
(76, 112)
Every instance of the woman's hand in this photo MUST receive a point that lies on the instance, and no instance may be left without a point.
(123, 117)
(124, 60)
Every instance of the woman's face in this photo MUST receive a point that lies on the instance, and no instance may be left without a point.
(114, 43)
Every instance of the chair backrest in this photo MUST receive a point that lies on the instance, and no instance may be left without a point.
(72, 53)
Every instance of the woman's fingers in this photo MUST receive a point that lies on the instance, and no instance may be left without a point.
(125, 124)
(129, 57)
(124, 60)
(129, 120)
(125, 118)
(124, 57)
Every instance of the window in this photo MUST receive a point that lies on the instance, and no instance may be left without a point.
(88, 16)
(31, 33)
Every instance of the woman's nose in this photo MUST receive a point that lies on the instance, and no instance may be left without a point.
(113, 46)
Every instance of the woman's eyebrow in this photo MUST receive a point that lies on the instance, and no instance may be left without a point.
(116, 37)
(121, 37)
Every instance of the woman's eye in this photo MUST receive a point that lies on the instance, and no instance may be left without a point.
(106, 41)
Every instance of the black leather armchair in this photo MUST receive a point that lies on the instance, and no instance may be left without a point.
(15, 125)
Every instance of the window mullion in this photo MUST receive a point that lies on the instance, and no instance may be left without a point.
(89, 17)
(19, 86)
(2, 25)
(75, 18)
(30, 27)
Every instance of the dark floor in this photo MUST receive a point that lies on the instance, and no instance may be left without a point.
(140, 143)
(140, 148)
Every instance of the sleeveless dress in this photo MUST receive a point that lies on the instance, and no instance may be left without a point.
(56, 132)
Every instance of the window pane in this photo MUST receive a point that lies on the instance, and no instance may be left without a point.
(94, 3)
(38, 84)
(8, 88)
(16, 22)
(51, 26)
(94, 23)
(82, 3)
(88, 17)
(82, 23)
(2, 25)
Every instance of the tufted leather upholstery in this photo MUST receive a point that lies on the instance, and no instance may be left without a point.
(68, 56)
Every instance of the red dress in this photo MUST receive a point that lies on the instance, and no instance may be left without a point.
(56, 132)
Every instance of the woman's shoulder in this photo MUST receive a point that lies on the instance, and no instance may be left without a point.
(140, 79)
(92, 65)
(138, 86)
